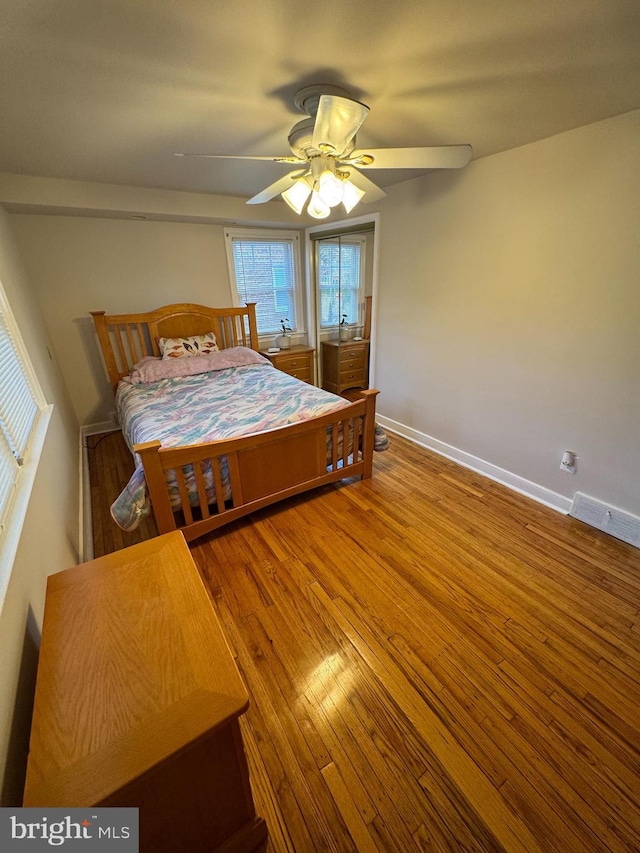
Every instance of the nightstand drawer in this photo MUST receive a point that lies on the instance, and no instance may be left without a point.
(352, 352)
(356, 363)
(291, 363)
(298, 362)
(352, 378)
(303, 373)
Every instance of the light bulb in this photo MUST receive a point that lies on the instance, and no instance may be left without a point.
(351, 195)
(330, 188)
(297, 194)
(318, 208)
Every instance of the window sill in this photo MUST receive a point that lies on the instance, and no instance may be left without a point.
(265, 341)
(10, 535)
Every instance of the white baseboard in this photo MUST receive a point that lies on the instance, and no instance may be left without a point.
(519, 484)
(95, 429)
(86, 516)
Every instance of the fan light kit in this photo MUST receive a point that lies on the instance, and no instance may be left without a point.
(327, 186)
(324, 149)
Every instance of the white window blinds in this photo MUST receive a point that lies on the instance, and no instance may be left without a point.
(18, 411)
(265, 272)
(340, 282)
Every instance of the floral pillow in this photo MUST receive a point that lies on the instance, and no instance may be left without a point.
(186, 347)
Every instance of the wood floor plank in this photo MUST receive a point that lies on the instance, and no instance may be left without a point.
(504, 825)
(384, 781)
(315, 821)
(264, 792)
(342, 796)
(433, 662)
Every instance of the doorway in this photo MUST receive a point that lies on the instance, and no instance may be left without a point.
(342, 268)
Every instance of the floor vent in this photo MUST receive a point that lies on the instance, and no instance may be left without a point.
(608, 518)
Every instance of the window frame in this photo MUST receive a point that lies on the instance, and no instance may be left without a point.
(14, 513)
(340, 241)
(313, 232)
(268, 235)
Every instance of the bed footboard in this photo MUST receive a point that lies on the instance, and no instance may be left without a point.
(262, 469)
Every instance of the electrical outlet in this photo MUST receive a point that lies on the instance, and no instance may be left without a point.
(569, 462)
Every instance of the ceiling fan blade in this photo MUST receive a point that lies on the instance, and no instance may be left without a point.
(435, 157)
(278, 187)
(337, 122)
(372, 192)
(241, 157)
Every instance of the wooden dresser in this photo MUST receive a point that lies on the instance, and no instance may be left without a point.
(296, 361)
(138, 701)
(345, 364)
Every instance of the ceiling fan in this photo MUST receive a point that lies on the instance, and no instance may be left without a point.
(329, 163)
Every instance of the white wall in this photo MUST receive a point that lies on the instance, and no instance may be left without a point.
(79, 265)
(509, 309)
(60, 196)
(50, 536)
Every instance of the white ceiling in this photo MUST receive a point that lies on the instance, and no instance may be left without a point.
(107, 90)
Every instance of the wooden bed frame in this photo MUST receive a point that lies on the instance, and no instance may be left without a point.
(264, 468)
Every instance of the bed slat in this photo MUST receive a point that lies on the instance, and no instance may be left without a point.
(132, 347)
(184, 495)
(345, 443)
(335, 441)
(141, 341)
(235, 479)
(356, 438)
(120, 347)
(202, 492)
(217, 482)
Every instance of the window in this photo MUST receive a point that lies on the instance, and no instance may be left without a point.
(18, 410)
(340, 278)
(21, 434)
(264, 268)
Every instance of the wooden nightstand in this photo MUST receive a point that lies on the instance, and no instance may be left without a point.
(345, 364)
(296, 361)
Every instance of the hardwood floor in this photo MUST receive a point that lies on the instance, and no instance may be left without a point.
(434, 663)
(110, 466)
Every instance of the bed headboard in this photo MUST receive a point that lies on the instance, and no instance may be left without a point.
(126, 338)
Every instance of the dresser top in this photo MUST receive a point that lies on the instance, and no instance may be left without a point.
(348, 343)
(133, 666)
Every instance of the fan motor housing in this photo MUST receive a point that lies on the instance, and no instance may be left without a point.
(301, 137)
(307, 99)
(301, 140)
